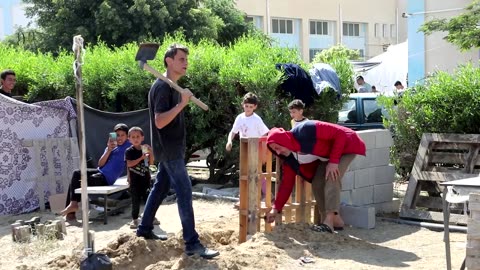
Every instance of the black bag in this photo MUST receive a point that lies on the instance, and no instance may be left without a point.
(96, 261)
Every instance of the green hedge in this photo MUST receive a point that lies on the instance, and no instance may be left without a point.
(219, 76)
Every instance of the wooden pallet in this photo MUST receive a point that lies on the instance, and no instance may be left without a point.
(440, 157)
(299, 207)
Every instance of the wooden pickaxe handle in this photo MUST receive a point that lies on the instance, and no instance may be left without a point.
(174, 86)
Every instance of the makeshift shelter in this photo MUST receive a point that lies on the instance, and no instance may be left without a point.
(36, 152)
(39, 147)
(393, 67)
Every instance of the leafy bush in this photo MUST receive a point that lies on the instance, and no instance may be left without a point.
(217, 75)
(327, 104)
(447, 103)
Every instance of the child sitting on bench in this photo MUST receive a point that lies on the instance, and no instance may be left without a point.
(110, 167)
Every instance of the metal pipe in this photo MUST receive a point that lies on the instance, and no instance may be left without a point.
(428, 225)
(200, 195)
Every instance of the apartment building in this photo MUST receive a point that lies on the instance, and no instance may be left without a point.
(12, 15)
(314, 25)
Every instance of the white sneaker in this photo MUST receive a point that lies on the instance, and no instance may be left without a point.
(133, 224)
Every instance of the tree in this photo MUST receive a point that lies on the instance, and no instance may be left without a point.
(234, 20)
(117, 22)
(462, 30)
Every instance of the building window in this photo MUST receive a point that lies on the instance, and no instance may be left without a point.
(314, 52)
(393, 30)
(351, 29)
(384, 30)
(280, 26)
(318, 28)
(377, 30)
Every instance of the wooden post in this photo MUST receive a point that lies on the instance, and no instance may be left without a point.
(243, 178)
(252, 185)
(268, 195)
(299, 200)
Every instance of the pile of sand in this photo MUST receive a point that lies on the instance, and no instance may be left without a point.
(284, 245)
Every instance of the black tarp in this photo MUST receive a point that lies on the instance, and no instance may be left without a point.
(99, 123)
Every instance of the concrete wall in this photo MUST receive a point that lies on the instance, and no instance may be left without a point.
(367, 187)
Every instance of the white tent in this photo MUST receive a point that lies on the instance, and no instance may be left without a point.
(393, 67)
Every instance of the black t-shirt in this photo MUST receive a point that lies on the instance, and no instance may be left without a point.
(5, 93)
(172, 140)
(139, 172)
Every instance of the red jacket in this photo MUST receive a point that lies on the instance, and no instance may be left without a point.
(312, 137)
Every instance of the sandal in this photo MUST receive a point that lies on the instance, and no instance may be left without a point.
(338, 228)
(322, 228)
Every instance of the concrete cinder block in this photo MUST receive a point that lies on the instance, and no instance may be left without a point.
(362, 196)
(392, 206)
(346, 197)
(348, 181)
(364, 178)
(384, 174)
(368, 136)
(358, 216)
(383, 138)
(360, 162)
(378, 157)
(382, 193)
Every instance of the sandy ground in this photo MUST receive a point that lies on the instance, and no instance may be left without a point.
(387, 246)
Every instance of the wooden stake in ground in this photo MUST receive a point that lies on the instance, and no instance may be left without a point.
(77, 70)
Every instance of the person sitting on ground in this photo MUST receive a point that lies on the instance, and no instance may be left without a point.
(334, 146)
(110, 166)
(7, 82)
(374, 89)
(296, 108)
(363, 87)
(139, 178)
(399, 86)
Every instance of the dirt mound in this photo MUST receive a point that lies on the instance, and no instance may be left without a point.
(283, 246)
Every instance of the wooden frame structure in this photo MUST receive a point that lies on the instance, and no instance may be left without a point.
(253, 156)
(440, 157)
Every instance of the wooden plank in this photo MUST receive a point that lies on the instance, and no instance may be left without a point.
(472, 159)
(253, 161)
(446, 158)
(268, 195)
(243, 171)
(450, 146)
(308, 202)
(442, 176)
(453, 138)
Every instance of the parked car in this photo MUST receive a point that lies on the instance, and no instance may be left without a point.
(362, 112)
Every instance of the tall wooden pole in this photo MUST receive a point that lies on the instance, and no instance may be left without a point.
(77, 66)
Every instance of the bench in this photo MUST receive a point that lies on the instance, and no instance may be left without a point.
(120, 185)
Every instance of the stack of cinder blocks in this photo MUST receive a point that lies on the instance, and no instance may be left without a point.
(472, 261)
(22, 231)
(367, 187)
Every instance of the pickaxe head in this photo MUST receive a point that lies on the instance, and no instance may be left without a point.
(146, 51)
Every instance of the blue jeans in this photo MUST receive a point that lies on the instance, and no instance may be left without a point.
(173, 173)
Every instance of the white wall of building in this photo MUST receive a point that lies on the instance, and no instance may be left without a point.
(440, 54)
(366, 13)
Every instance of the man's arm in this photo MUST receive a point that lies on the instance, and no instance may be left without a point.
(104, 158)
(164, 118)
